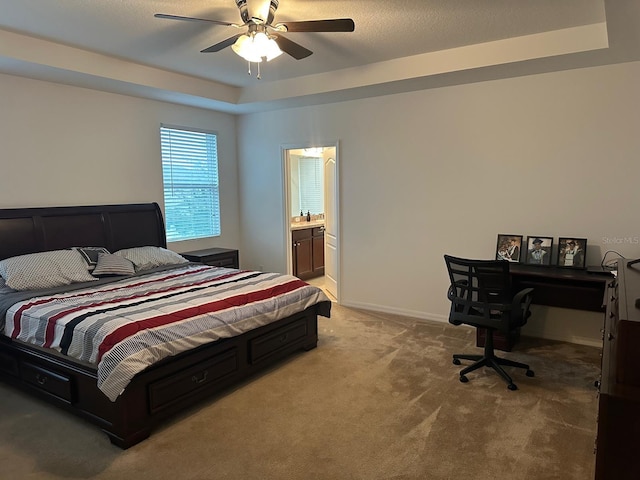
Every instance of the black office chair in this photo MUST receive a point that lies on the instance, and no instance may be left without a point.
(481, 296)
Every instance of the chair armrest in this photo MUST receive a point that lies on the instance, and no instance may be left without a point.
(524, 296)
(452, 293)
(518, 297)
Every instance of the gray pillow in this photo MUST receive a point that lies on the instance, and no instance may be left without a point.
(109, 264)
(145, 258)
(35, 271)
(90, 254)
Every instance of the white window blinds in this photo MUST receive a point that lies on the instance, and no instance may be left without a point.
(311, 184)
(191, 190)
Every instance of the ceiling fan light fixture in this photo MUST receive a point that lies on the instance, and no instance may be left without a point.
(256, 46)
(242, 47)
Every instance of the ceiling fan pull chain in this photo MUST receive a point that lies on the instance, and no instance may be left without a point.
(249, 70)
(258, 76)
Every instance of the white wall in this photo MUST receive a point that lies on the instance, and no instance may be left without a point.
(445, 170)
(63, 145)
(422, 174)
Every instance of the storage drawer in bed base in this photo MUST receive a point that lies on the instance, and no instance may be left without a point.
(271, 343)
(205, 374)
(47, 380)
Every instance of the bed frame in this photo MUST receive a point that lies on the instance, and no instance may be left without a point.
(161, 390)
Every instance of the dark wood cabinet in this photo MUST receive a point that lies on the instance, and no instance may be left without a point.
(217, 257)
(618, 439)
(308, 252)
(317, 239)
(302, 253)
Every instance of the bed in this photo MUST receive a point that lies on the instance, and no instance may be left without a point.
(131, 379)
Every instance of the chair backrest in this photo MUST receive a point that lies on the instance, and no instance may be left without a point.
(480, 292)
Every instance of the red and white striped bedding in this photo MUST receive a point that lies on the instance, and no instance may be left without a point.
(125, 326)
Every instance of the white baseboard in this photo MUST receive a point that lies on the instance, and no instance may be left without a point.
(397, 311)
(577, 339)
(583, 327)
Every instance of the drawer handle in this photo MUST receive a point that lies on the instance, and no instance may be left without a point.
(202, 379)
(41, 379)
(610, 336)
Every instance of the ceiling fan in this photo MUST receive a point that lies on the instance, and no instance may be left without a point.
(263, 39)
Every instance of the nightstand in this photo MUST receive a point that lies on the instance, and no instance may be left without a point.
(217, 257)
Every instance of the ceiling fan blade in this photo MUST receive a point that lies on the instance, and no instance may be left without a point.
(223, 44)
(194, 19)
(336, 25)
(291, 48)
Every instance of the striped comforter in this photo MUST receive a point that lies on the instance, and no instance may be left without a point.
(125, 326)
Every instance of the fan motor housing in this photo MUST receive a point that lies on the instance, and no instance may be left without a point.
(255, 15)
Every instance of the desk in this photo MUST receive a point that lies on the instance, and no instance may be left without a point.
(562, 287)
(554, 287)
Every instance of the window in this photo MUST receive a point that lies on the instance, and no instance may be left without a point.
(190, 177)
(311, 184)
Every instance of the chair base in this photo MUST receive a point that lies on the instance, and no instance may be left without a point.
(492, 362)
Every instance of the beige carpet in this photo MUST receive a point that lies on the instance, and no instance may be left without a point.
(378, 399)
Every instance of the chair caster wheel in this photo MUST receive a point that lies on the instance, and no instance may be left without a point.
(530, 373)
(512, 386)
(456, 361)
(463, 379)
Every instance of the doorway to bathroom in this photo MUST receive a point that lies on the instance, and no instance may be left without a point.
(312, 211)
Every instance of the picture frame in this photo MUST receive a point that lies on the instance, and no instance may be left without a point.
(539, 250)
(572, 252)
(508, 247)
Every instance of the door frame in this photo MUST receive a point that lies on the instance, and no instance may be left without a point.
(286, 176)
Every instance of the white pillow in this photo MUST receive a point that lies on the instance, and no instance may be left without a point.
(35, 271)
(109, 264)
(145, 258)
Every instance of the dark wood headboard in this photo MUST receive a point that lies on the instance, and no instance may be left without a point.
(30, 230)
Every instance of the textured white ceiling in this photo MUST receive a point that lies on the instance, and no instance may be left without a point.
(385, 29)
(398, 45)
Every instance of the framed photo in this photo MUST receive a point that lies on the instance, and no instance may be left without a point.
(508, 247)
(538, 250)
(572, 252)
